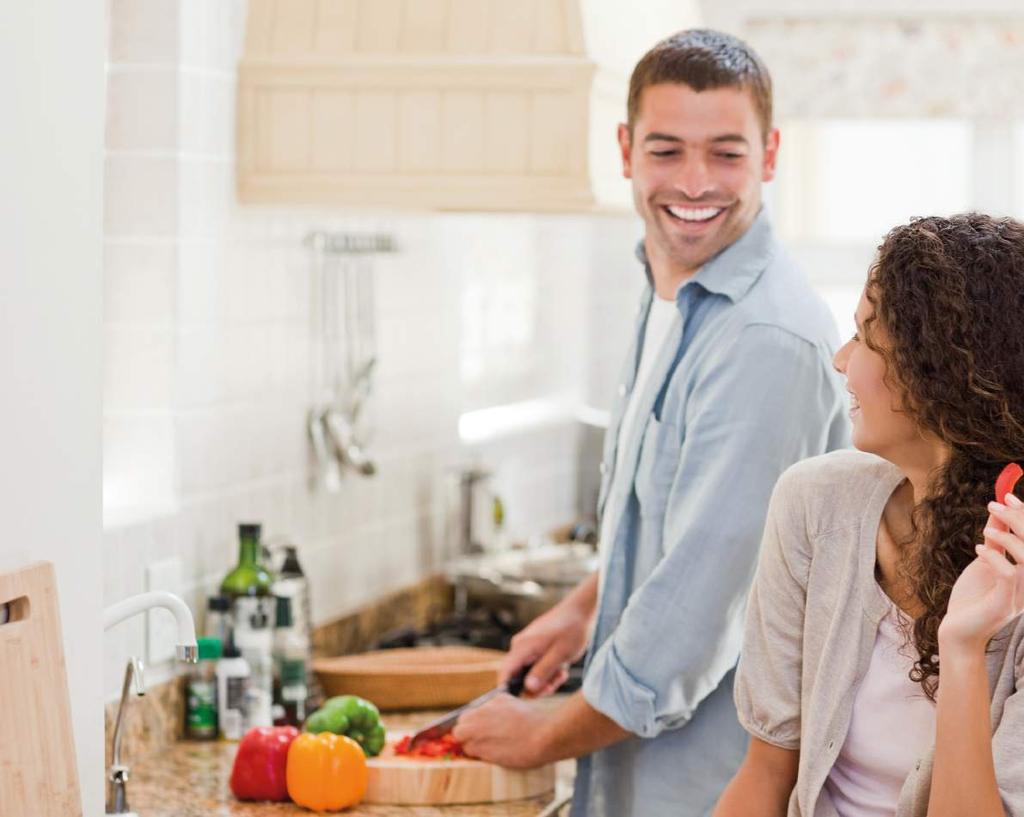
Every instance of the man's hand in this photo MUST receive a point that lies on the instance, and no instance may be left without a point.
(553, 641)
(505, 730)
(524, 734)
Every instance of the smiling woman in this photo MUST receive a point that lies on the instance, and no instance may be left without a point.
(880, 424)
(936, 376)
(945, 299)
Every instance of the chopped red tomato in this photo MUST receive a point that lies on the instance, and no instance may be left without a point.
(444, 746)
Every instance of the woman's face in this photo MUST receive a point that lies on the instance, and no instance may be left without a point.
(879, 427)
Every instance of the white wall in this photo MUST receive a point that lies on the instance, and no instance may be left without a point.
(51, 72)
(617, 36)
(207, 342)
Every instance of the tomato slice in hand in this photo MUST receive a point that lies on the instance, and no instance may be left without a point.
(1007, 480)
(1005, 483)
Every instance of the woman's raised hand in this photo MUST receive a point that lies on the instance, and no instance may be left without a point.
(989, 594)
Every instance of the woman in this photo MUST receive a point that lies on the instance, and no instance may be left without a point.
(884, 649)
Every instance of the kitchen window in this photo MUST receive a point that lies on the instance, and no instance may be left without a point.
(852, 180)
(842, 184)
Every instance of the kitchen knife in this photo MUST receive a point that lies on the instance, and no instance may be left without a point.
(445, 724)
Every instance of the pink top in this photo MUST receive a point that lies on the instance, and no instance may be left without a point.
(891, 727)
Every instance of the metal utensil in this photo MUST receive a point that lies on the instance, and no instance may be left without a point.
(443, 725)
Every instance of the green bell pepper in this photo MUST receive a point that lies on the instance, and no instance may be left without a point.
(353, 717)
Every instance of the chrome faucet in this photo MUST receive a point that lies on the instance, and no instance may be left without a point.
(117, 796)
(187, 650)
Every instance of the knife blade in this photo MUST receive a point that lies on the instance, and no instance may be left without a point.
(445, 724)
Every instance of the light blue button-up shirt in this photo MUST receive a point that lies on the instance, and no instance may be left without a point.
(742, 389)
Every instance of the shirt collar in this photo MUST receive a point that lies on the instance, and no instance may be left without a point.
(733, 271)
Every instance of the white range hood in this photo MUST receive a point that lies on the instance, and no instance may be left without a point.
(435, 104)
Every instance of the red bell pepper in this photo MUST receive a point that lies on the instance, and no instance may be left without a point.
(261, 763)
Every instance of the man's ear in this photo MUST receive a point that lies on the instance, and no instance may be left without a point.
(771, 155)
(625, 144)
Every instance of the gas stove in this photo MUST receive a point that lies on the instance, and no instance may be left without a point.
(492, 629)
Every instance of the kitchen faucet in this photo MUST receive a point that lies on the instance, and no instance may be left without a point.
(117, 796)
(133, 605)
(187, 650)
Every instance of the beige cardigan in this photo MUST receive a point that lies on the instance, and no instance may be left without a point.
(811, 625)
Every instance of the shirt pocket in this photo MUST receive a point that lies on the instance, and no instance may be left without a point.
(656, 466)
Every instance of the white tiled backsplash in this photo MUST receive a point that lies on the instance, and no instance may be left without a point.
(208, 378)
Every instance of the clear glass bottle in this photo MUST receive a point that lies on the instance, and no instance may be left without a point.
(201, 692)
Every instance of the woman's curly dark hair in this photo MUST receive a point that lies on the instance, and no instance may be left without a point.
(949, 295)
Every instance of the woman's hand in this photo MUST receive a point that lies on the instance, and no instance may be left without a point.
(989, 594)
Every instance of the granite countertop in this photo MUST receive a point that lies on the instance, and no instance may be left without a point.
(191, 780)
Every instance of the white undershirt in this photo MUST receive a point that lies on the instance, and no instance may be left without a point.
(891, 726)
(659, 323)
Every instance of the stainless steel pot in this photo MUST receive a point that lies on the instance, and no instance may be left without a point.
(527, 581)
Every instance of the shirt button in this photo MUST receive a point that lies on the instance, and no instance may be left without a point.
(831, 745)
(917, 766)
(603, 468)
(622, 390)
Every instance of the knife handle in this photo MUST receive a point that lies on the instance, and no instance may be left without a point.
(515, 685)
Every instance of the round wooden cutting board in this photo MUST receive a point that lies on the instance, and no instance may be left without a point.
(411, 781)
(416, 678)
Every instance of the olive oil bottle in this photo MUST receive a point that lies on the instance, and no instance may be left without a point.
(249, 577)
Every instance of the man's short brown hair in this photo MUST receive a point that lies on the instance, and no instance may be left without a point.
(703, 59)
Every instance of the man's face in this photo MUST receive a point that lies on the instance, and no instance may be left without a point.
(697, 162)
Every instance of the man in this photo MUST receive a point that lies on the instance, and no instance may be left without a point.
(729, 382)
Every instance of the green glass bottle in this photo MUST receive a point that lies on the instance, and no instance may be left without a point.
(249, 577)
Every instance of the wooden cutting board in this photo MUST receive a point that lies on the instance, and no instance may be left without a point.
(415, 678)
(38, 773)
(409, 781)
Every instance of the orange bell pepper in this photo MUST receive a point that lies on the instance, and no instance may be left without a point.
(326, 772)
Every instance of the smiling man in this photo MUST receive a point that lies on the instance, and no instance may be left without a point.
(727, 383)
